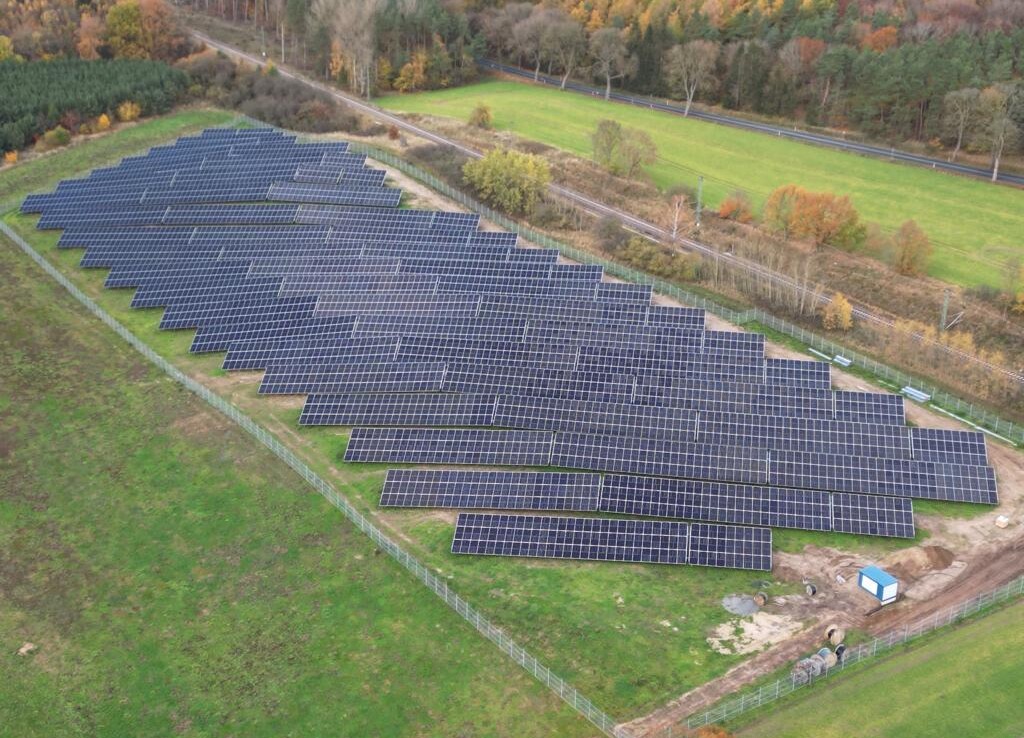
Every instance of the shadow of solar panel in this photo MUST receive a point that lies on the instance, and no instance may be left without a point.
(491, 490)
(353, 377)
(449, 446)
(389, 410)
(730, 547)
(873, 515)
(587, 539)
(716, 502)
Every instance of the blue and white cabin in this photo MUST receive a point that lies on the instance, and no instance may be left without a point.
(881, 584)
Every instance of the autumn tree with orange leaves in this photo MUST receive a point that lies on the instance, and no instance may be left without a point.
(822, 218)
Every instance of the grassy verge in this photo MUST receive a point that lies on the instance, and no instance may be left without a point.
(975, 226)
(963, 682)
(644, 627)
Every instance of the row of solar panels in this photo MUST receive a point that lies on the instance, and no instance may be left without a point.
(599, 539)
(671, 458)
(779, 433)
(709, 502)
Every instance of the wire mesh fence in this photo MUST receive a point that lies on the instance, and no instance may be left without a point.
(437, 585)
(966, 410)
(770, 692)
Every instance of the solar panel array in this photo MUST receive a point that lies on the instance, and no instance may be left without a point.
(445, 344)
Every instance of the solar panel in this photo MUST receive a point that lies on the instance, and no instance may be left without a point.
(873, 515)
(716, 502)
(399, 410)
(493, 490)
(356, 376)
(730, 547)
(587, 539)
(449, 446)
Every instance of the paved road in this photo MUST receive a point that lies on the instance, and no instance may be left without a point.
(818, 139)
(585, 203)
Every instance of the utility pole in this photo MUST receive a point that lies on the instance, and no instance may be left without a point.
(945, 311)
(700, 197)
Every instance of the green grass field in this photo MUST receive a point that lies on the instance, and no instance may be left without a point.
(630, 661)
(964, 683)
(975, 226)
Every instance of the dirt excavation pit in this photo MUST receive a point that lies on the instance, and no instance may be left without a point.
(753, 634)
(741, 605)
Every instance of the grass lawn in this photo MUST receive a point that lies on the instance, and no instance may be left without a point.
(975, 226)
(601, 626)
(966, 683)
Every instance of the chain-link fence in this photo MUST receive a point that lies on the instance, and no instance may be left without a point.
(966, 410)
(780, 688)
(439, 586)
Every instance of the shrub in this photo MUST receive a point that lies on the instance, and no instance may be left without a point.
(481, 117)
(912, 249)
(610, 234)
(55, 138)
(10, 157)
(128, 111)
(393, 133)
(102, 123)
(510, 180)
(736, 207)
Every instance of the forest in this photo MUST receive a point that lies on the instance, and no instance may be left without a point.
(938, 72)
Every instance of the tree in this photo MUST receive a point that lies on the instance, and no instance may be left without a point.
(837, 314)
(352, 25)
(163, 37)
(605, 141)
(820, 217)
(510, 180)
(635, 150)
(90, 36)
(736, 207)
(564, 43)
(688, 68)
(6, 49)
(881, 40)
(959, 110)
(912, 249)
(997, 130)
(125, 34)
(528, 34)
(611, 57)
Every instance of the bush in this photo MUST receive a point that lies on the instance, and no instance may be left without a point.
(610, 234)
(481, 117)
(55, 138)
(912, 249)
(509, 180)
(128, 111)
(102, 123)
(10, 157)
(393, 133)
(736, 207)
